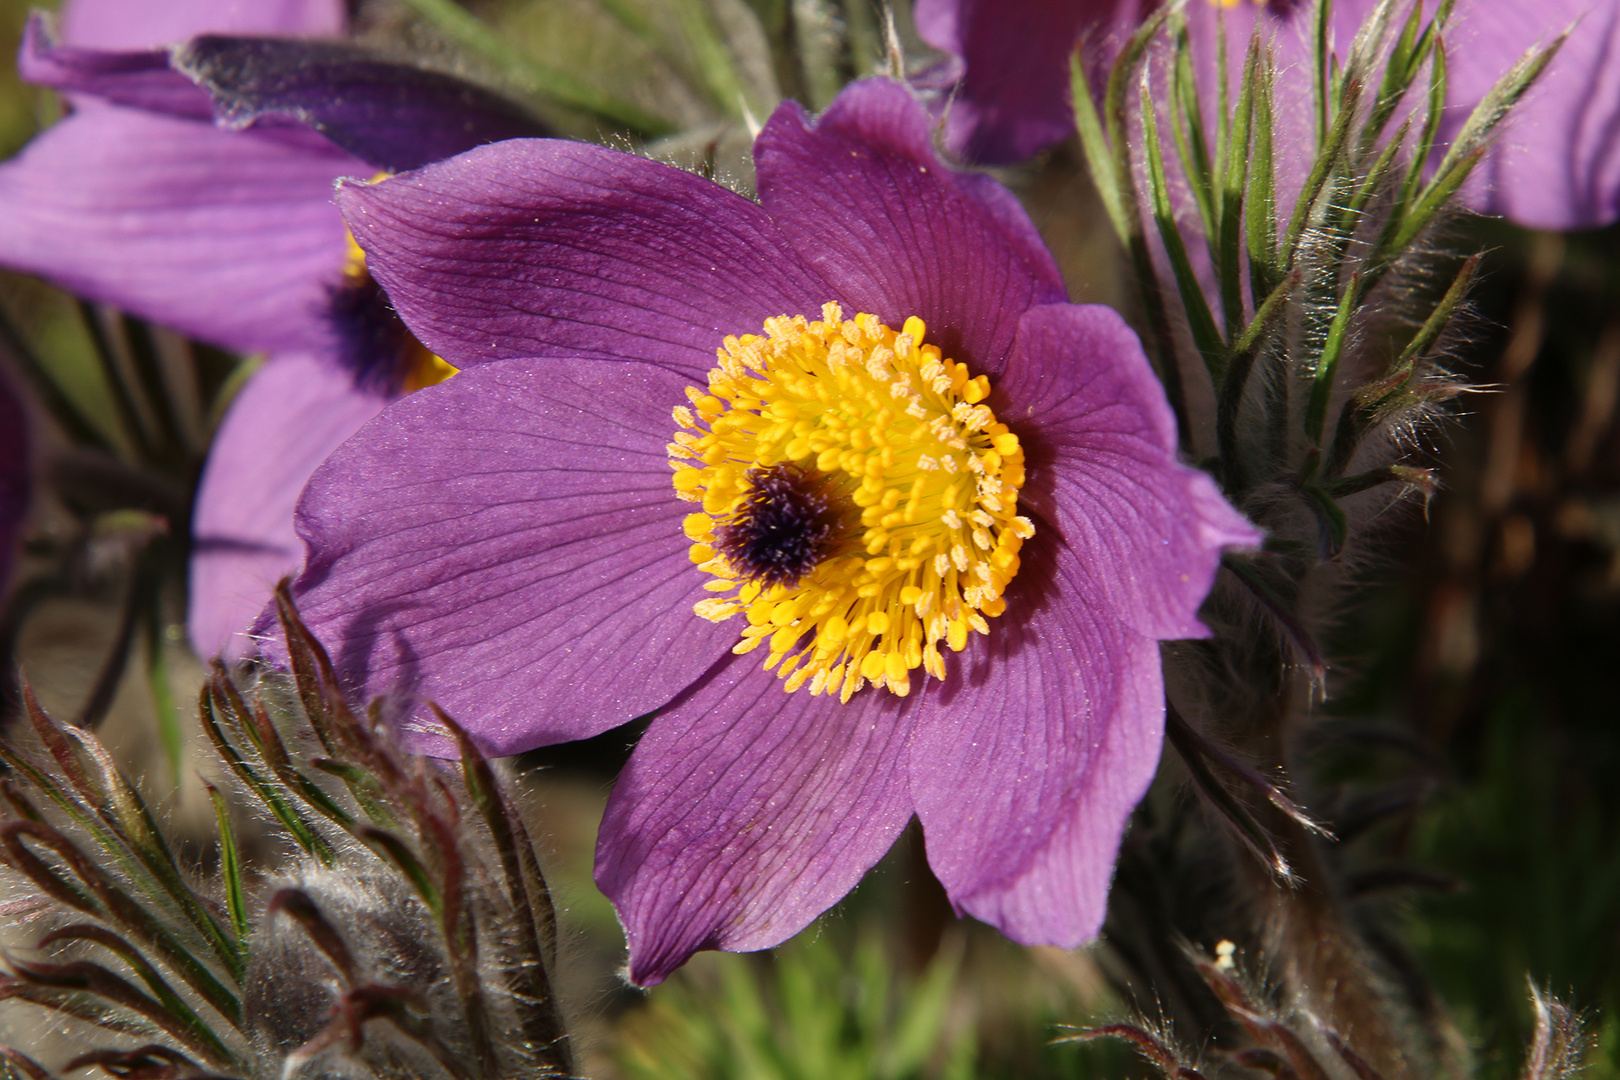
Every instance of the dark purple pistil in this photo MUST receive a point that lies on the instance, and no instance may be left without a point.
(373, 343)
(789, 523)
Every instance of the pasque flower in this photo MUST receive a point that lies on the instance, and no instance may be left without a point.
(192, 186)
(1555, 164)
(837, 483)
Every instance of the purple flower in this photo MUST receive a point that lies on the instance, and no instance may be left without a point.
(956, 531)
(1011, 97)
(228, 233)
(1556, 164)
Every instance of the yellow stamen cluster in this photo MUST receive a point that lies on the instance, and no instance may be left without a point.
(929, 480)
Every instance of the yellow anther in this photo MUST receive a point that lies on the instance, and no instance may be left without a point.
(697, 526)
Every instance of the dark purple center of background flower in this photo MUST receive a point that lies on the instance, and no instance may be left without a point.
(373, 343)
(788, 524)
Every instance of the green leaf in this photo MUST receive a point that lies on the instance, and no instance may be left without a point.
(127, 812)
(301, 831)
(466, 28)
(1335, 525)
(1202, 323)
(1327, 162)
(920, 1028)
(198, 1034)
(1327, 366)
(1099, 160)
(1187, 128)
(1260, 207)
(230, 868)
(1234, 177)
(394, 850)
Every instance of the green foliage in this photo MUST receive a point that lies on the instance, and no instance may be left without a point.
(806, 1012)
(425, 931)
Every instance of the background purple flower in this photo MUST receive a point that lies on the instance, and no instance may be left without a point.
(1012, 98)
(508, 545)
(1556, 164)
(227, 232)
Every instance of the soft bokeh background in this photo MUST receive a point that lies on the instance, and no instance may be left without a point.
(1470, 749)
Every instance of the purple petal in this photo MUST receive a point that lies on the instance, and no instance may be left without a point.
(136, 24)
(294, 412)
(1556, 163)
(141, 79)
(1013, 99)
(1025, 764)
(539, 247)
(394, 116)
(225, 236)
(509, 545)
(745, 812)
(1102, 469)
(865, 200)
(16, 475)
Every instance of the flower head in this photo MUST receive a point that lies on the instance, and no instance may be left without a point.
(937, 505)
(1553, 167)
(192, 186)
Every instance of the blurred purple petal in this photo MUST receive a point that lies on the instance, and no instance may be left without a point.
(546, 248)
(1013, 98)
(1103, 470)
(394, 116)
(291, 414)
(138, 24)
(736, 834)
(507, 545)
(1025, 764)
(1556, 163)
(227, 237)
(142, 79)
(863, 198)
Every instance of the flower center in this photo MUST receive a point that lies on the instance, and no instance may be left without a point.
(859, 499)
(374, 343)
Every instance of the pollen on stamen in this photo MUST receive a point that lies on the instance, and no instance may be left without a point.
(858, 500)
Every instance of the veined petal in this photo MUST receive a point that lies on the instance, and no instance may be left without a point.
(1102, 469)
(745, 812)
(137, 24)
(291, 414)
(508, 545)
(863, 198)
(225, 236)
(549, 248)
(1025, 763)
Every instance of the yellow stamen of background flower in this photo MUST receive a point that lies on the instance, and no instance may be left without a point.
(421, 368)
(923, 477)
